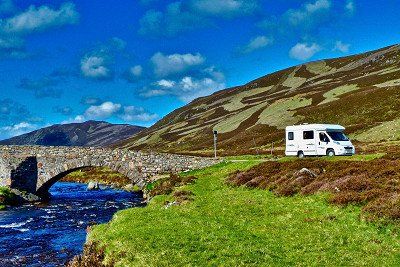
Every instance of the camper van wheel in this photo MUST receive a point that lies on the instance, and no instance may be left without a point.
(330, 152)
(300, 154)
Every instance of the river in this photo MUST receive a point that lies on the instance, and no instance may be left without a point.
(50, 234)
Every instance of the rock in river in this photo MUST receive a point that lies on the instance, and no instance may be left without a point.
(93, 186)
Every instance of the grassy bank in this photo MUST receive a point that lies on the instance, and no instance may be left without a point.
(232, 226)
(6, 197)
(102, 175)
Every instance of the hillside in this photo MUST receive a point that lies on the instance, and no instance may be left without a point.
(90, 133)
(361, 92)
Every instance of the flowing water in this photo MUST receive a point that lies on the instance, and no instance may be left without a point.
(50, 234)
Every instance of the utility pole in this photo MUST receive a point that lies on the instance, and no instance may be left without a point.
(215, 143)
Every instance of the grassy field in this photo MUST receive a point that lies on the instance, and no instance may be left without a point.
(237, 226)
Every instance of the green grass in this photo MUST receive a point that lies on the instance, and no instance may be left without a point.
(334, 94)
(6, 197)
(357, 157)
(235, 226)
(248, 157)
(386, 131)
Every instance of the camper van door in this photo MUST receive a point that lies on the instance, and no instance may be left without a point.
(323, 143)
(309, 140)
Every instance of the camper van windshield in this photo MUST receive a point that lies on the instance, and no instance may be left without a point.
(338, 136)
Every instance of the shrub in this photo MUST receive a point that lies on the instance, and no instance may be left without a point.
(183, 196)
(6, 197)
(166, 186)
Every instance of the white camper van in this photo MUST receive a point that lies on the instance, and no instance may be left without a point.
(317, 140)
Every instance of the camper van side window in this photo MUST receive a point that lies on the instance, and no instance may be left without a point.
(290, 136)
(308, 135)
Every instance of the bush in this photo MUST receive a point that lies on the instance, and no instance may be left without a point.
(166, 186)
(7, 197)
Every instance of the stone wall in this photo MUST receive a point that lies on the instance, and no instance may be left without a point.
(35, 169)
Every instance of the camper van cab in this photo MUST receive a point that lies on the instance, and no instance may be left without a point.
(317, 140)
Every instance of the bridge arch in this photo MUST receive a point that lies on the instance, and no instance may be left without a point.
(47, 177)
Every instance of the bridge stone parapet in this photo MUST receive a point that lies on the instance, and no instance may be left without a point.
(35, 169)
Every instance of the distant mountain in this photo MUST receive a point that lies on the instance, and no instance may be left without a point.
(361, 92)
(90, 133)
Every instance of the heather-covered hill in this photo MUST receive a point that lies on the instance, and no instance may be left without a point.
(361, 92)
(90, 133)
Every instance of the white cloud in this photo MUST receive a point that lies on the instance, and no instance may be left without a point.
(11, 42)
(17, 129)
(95, 67)
(132, 113)
(66, 110)
(136, 71)
(175, 19)
(133, 74)
(224, 8)
(103, 111)
(90, 100)
(116, 43)
(341, 47)
(307, 13)
(298, 21)
(165, 65)
(13, 30)
(12, 47)
(257, 43)
(180, 16)
(40, 18)
(317, 6)
(350, 7)
(77, 119)
(303, 51)
(96, 63)
(194, 88)
(188, 88)
(109, 109)
(153, 93)
(166, 83)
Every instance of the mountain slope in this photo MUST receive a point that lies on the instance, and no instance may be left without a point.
(361, 92)
(90, 133)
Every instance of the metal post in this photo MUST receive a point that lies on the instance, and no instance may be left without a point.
(215, 143)
(255, 145)
(272, 149)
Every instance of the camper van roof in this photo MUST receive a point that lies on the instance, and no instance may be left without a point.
(320, 127)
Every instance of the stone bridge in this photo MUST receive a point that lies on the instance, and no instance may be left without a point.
(35, 169)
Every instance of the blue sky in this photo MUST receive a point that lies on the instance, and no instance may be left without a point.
(136, 61)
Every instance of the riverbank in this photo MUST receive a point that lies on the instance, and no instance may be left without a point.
(236, 226)
(53, 232)
(6, 198)
(101, 175)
